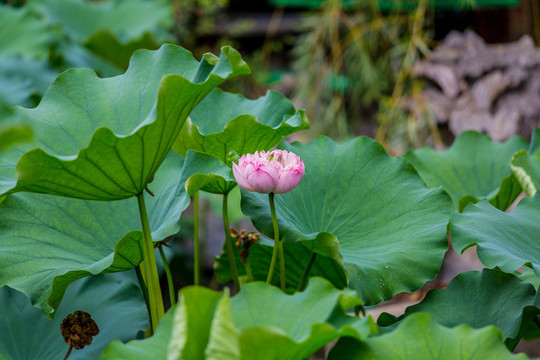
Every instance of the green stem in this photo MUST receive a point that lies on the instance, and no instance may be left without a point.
(228, 244)
(144, 289)
(152, 281)
(249, 274)
(169, 275)
(307, 270)
(196, 245)
(278, 247)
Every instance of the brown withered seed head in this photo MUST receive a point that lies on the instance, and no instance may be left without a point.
(78, 329)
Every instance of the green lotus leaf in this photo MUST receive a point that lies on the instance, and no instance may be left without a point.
(504, 240)
(526, 165)
(120, 313)
(510, 308)
(207, 173)
(473, 168)
(224, 123)
(258, 323)
(421, 338)
(126, 19)
(125, 125)
(297, 256)
(372, 204)
(47, 242)
(23, 34)
(154, 347)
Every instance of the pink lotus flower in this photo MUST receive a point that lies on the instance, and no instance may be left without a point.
(278, 171)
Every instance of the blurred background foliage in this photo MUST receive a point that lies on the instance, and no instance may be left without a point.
(347, 62)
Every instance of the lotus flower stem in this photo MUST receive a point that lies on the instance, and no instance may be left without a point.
(307, 270)
(169, 275)
(151, 275)
(228, 244)
(249, 273)
(196, 245)
(278, 248)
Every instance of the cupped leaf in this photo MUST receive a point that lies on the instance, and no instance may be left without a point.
(526, 168)
(373, 204)
(263, 323)
(207, 173)
(47, 242)
(118, 309)
(504, 240)
(473, 168)
(152, 348)
(224, 123)
(124, 127)
(421, 338)
(126, 19)
(489, 297)
(23, 34)
(297, 255)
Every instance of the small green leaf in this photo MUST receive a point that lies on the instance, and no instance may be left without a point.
(207, 173)
(526, 169)
(419, 337)
(372, 204)
(120, 313)
(473, 168)
(225, 122)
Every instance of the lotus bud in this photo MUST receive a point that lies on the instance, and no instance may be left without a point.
(278, 171)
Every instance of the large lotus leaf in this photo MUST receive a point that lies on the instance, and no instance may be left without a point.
(127, 19)
(20, 78)
(23, 34)
(297, 257)
(121, 135)
(489, 297)
(505, 240)
(12, 131)
(419, 337)
(373, 204)
(118, 309)
(473, 168)
(47, 242)
(224, 123)
(154, 348)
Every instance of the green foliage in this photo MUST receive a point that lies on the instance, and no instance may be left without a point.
(372, 204)
(126, 124)
(26, 333)
(260, 322)
(473, 168)
(510, 307)
(47, 242)
(505, 240)
(419, 336)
